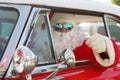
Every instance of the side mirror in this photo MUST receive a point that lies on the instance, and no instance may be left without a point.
(24, 61)
(68, 57)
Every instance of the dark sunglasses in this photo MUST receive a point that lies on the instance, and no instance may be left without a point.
(59, 26)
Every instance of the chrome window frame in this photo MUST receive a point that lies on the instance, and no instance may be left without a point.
(106, 24)
(15, 37)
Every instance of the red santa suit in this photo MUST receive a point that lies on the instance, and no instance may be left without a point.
(105, 59)
(102, 51)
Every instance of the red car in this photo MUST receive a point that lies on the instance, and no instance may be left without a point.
(27, 47)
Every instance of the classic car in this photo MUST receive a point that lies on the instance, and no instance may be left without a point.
(27, 47)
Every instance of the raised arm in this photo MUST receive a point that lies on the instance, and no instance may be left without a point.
(101, 50)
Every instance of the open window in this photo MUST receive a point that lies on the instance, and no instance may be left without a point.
(8, 19)
(69, 30)
(47, 41)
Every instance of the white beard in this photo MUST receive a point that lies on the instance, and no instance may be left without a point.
(66, 40)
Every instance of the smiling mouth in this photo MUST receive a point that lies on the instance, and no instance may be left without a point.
(104, 55)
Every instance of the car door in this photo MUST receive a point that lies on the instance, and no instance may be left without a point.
(43, 42)
(42, 35)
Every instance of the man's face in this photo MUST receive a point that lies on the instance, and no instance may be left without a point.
(66, 33)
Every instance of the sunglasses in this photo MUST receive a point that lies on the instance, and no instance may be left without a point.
(60, 26)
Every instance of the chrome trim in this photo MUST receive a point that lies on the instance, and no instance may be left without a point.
(47, 68)
(10, 49)
(106, 25)
(28, 26)
(53, 67)
(49, 25)
(53, 74)
(111, 17)
(82, 61)
(24, 61)
(23, 38)
(23, 11)
(25, 34)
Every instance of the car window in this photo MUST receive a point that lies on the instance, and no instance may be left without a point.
(69, 30)
(114, 29)
(8, 19)
(40, 42)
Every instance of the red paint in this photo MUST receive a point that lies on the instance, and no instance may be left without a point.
(85, 72)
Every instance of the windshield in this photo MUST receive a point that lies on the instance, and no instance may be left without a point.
(8, 19)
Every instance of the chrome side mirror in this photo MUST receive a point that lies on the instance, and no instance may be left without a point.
(68, 57)
(24, 61)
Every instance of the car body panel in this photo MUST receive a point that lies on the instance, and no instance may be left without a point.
(89, 72)
(77, 4)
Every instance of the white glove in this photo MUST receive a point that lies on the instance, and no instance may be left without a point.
(100, 44)
(97, 43)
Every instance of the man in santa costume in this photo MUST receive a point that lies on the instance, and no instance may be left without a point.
(102, 51)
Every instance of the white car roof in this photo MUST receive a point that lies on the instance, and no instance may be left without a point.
(73, 4)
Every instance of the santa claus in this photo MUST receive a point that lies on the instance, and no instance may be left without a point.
(102, 51)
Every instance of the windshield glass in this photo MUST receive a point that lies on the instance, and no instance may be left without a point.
(8, 19)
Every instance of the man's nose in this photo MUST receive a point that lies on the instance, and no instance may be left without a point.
(63, 29)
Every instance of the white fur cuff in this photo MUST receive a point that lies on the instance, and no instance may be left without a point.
(110, 53)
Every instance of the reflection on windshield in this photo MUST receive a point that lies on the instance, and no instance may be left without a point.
(8, 18)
